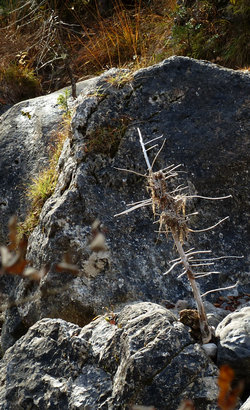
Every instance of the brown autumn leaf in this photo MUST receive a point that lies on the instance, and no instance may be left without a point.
(13, 263)
(64, 266)
(97, 241)
(138, 407)
(67, 265)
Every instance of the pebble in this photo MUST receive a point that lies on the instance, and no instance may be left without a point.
(210, 349)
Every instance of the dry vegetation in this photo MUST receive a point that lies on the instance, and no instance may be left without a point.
(169, 210)
(45, 44)
(43, 185)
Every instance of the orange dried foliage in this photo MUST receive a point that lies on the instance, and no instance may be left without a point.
(228, 396)
(13, 256)
(131, 38)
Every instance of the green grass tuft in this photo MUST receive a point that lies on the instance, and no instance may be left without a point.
(42, 187)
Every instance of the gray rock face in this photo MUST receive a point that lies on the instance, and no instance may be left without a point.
(26, 132)
(141, 355)
(201, 109)
(234, 343)
(26, 135)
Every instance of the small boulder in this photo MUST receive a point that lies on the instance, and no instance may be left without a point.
(234, 343)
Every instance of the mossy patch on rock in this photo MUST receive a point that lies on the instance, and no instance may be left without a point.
(106, 139)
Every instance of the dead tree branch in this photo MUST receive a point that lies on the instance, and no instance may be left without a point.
(170, 206)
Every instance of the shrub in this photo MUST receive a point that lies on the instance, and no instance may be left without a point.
(214, 31)
(18, 83)
(62, 101)
(51, 39)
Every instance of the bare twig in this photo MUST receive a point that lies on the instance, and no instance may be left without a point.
(133, 208)
(21, 7)
(154, 139)
(171, 168)
(177, 259)
(201, 264)
(197, 276)
(218, 258)
(150, 148)
(207, 197)
(26, 15)
(158, 153)
(204, 327)
(210, 227)
(172, 267)
(140, 202)
(131, 171)
(144, 151)
(219, 289)
(197, 252)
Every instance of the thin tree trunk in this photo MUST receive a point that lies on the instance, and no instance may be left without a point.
(204, 327)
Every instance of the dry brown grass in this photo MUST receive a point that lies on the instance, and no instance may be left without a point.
(129, 38)
(132, 37)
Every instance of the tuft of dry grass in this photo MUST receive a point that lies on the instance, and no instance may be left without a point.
(40, 46)
(43, 185)
(129, 38)
(18, 82)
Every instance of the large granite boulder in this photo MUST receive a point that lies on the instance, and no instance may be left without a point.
(201, 109)
(141, 355)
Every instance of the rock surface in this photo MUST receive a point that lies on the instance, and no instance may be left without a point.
(184, 100)
(246, 405)
(26, 135)
(141, 355)
(201, 109)
(234, 343)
